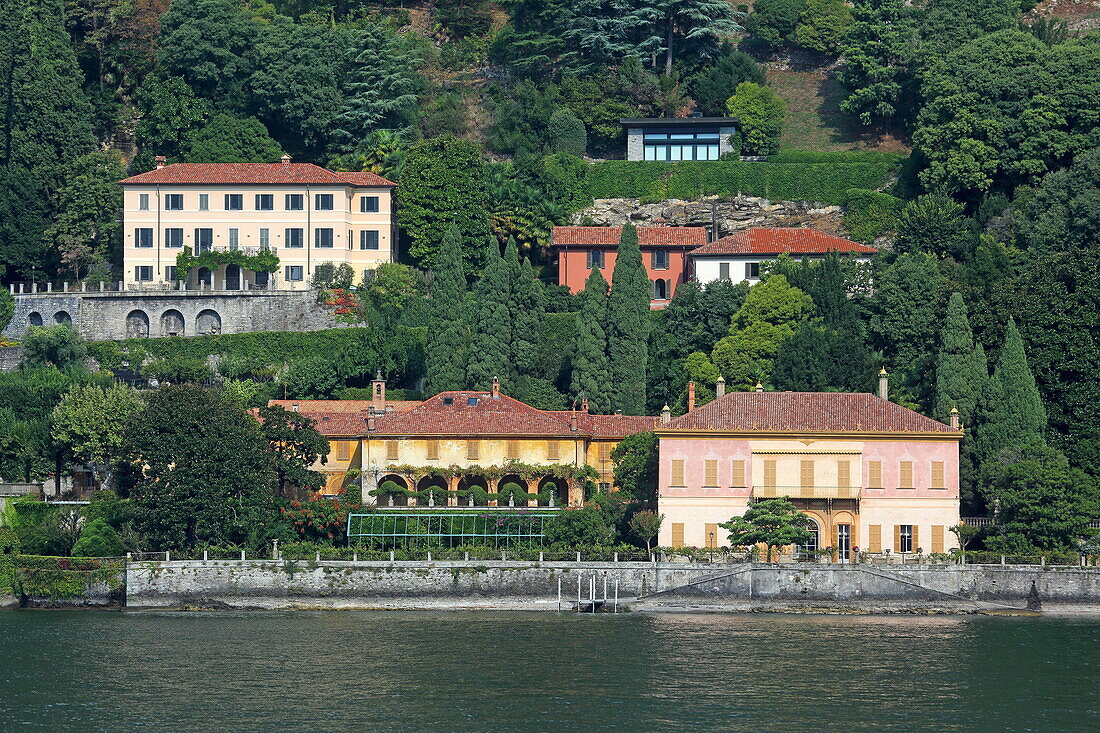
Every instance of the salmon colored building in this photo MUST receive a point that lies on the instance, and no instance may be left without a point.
(871, 474)
(664, 253)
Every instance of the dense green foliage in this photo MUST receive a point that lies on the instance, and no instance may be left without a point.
(771, 522)
(628, 326)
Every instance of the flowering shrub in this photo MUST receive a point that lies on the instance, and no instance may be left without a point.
(319, 519)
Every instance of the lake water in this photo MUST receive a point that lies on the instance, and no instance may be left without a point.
(467, 671)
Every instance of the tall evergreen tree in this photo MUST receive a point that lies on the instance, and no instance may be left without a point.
(528, 318)
(628, 326)
(448, 336)
(591, 374)
(961, 370)
(1012, 411)
(492, 324)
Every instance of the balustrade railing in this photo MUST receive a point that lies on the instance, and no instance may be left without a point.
(805, 492)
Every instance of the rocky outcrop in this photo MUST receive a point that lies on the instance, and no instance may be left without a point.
(728, 213)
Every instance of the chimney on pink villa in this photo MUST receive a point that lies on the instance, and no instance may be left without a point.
(666, 415)
(378, 392)
(285, 159)
(720, 387)
(161, 161)
(883, 384)
(691, 396)
(954, 418)
(496, 388)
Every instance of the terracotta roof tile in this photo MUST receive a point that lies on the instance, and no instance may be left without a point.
(647, 236)
(611, 426)
(779, 240)
(253, 173)
(806, 412)
(312, 406)
(473, 413)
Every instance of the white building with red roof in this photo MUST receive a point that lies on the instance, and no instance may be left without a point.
(302, 213)
(869, 473)
(739, 256)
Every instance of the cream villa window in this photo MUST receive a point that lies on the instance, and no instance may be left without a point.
(322, 202)
(343, 450)
(677, 473)
(368, 204)
(143, 202)
(293, 237)
(844, 474)
(711, 531)
(173, 237)
(874, 538)
(204, 202)
(806, 474)
(323, 238)
(511, 449)
(710, 478)
(677, 534)
(368, 239)
(234, 202)
(173, 202)
(391, 450)
(294, 202)
(905, 475)
(937, 538)
(143, 237)
(769, 473)
(553, 450)
(473, 450)
(265, 202)
(737, 477)
(431, 451)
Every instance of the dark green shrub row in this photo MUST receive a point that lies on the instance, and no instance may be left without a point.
(817, 179)
(870, 214)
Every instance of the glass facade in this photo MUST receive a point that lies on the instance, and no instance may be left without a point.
(673, 145)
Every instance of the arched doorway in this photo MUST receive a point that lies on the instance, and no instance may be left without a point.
(208, 322)
(391, 491)
(62, 318)
(232, 277)
(204, 277)
(553, 491)
(137, 325)
(171, 323)
(432, 491)
(511, 491)
(660, 289)
(473, 491)
(34, 318)
(808, 550)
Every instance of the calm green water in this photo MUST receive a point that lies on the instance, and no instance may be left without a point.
(454, 671)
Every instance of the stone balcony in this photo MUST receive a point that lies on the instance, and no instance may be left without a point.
(806, 492)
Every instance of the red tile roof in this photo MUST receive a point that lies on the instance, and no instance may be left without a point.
(253, 173)
(777, 240)
(318, 406)
(451, 413)
(647, 236)
(814, 412)
(611, 426)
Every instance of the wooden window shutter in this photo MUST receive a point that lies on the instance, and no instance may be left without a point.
(937, 537)
(874, 538)
(711, 478)
(343, 450)
(737, 477)
(897, 538)
(712, 536)
(834, 537)
(874, 474)
(512, 448)
(432, 450)
(807, 474)
(678, 473)
(677, 534)
(553, 449)
(905, 475)
(844, 474)
(769, 473)
(604, 451)
(391, 450)
(473, 450)
(937, 475)
(916, 539)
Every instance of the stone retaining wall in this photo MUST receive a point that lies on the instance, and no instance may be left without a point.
(335, 584)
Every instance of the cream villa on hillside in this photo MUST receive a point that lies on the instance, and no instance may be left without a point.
(869, 473)
(304, 214)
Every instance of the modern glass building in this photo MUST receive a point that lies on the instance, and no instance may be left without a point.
(678, 138)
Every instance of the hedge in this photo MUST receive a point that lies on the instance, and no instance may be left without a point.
(791, 176)
(870, 214)
(266, 347)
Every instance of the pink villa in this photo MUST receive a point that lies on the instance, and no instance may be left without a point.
(871, 474)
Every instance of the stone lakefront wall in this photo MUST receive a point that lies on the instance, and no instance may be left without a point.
(281, 584)
(140, 314)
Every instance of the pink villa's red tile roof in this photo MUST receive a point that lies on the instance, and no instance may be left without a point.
(647, 236)
(253, 173)
(812, 412)
(779, 240)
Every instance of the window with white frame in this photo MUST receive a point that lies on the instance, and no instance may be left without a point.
(170, 273)
(752, 270)
(322, 237)
(368, 204)
(294, 202)
(265, 238)
(265, 202)
(322, 202)
(173, 237)
(293, 237)
(204, 202)
(234, 238)
(173, 202)
(368, 239)
(294, 273)
(234, 202)
(143, 273)
(595, 258)
(143, 202)
(143, 237)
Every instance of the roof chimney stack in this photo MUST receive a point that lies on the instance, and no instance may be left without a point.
(883, 384)
(285, 159)
(954, 418)
(378, 392)
(720, 387)
(666, 415)
(496, 387)
(573, 420)
(161, 161)
(371, 423)
(584, 404)
(691, 396)
(758, 388)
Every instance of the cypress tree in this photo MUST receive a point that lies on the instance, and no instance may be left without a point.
(489, 352)
(961, 370)
(591, 375)
(448, 338)
(1013, 412)
(528, 318)
(628, 326)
